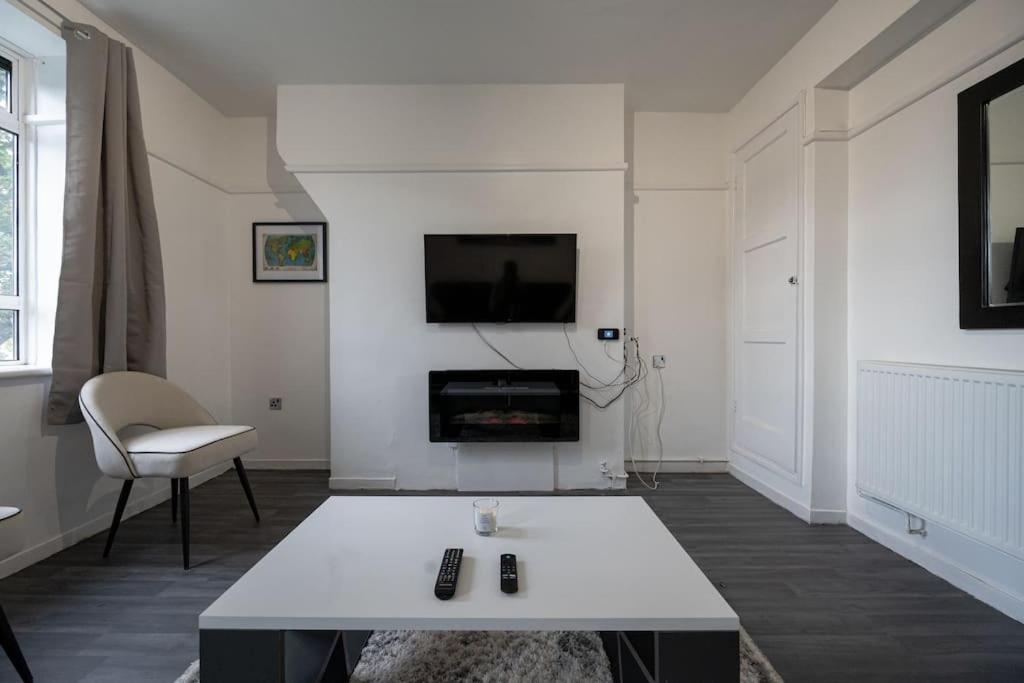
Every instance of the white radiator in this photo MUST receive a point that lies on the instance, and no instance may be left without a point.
(947, 445)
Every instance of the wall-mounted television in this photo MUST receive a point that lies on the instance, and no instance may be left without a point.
(500, 278)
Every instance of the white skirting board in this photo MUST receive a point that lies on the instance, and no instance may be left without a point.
(679, 466)
(29, 556)
(286, 464)
(800, 510)
(942, 567)
(357, 483)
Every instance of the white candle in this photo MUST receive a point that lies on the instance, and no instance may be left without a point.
(485, 516)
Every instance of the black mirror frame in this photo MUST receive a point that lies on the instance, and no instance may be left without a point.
(973, 180)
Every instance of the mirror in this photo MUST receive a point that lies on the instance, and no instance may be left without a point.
(991, 194)
(1006, 199)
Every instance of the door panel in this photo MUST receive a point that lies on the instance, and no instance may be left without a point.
(766, 253)
(766, 304)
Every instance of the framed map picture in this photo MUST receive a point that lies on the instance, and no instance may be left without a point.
(289, 252)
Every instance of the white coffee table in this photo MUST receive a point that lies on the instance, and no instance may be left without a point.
(364, 563)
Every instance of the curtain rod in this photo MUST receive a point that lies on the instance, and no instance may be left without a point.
(81, 33)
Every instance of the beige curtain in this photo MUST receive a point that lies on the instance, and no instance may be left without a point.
(110, 303)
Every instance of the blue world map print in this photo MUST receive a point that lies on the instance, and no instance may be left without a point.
(290, 252)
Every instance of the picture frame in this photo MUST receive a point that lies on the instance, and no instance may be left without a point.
(289, 251)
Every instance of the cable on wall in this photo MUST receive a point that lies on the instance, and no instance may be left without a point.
(636, 430)
(572, 350)
(494, 348)
(614, 383)
(632, 374)
(638, 375)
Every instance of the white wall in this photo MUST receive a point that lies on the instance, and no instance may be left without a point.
(381, 347)
(191, 215)
(842, 37)
(845, 29)
(278, 342)
(679, 271)
(879, 251)
(903, 267)
(825, 283)
(49, 471)
(490, 126)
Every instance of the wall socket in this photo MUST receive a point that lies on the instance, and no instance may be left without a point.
(275, 403)
(658, 361)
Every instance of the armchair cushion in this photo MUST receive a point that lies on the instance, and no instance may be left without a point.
(184, 451)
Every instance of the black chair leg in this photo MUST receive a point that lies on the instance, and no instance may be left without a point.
(174, 500)
(122, 500)
(183, 493)
(10, 645)
(244, 478)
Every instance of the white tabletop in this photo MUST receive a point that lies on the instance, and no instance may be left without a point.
(8, 512)
(370, 562)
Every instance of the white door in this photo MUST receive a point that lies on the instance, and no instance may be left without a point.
(766, 241)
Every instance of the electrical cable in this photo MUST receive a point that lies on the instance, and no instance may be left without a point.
(614, 383)
(635, 427)
(661, 419)
(492, 347)
(602, 384)
(640, 375)
(637, 430)
(612, 358)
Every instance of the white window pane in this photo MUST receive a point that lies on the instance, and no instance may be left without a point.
(8, 335)
(8, 214)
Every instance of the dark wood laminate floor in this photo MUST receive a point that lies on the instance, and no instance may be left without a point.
(824, 603)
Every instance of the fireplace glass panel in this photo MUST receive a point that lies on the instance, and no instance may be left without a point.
(504, 405)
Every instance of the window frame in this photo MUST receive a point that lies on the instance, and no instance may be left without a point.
(14, 122)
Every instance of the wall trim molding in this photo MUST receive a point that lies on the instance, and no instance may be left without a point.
(886, 113)
(942, 81)
(228, 190)
(811, 515)
(826, 516)
(798, 102)
(376, 483)
(943, 567)
(826, 136)
(681, 188)
(182, 169)
(454, 168)
(797, 508)
(770, 466)
(288, 464)
(899, 105)
(689, 466)
(96, 525)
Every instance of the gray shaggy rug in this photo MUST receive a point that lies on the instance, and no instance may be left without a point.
(502, 657)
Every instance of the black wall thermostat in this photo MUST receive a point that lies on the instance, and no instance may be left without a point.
(608, 333)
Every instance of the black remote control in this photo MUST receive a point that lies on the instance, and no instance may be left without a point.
(509, 574)
(448, 574)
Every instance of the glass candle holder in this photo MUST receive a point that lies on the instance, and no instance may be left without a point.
(485, 516)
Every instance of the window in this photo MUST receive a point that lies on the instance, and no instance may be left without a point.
(11, 290)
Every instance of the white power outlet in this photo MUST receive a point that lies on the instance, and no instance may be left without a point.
(658, 361)
(275, 403)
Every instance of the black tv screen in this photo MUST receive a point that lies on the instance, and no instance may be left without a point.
(500, 278)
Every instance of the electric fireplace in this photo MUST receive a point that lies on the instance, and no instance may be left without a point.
(504, 405)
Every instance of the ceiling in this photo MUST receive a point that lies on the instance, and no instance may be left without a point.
(673, 55)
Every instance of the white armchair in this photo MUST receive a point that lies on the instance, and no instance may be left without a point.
(7, 640)
(183, 439)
